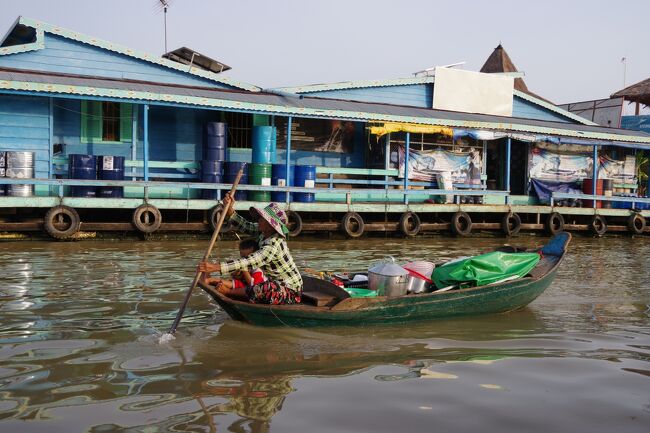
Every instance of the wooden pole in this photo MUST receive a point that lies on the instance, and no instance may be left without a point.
(213, 241)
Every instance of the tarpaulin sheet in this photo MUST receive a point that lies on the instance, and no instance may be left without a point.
(545, 188)
(484, 269)
(389, 127)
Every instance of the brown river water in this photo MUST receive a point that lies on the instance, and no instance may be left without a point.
(80, 325)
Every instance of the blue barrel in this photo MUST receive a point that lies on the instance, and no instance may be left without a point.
(216, 141)
(304, 177)
(264, 144)
(211, 172)
(231, 168)
(82, 167)
(110, 168)
(279, 178)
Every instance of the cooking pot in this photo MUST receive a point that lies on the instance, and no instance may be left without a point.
(388, 279)
(417, 285)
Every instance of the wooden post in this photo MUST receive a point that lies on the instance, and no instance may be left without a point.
(288, 158)
(145, 143)
(407, 145)
(508, 146)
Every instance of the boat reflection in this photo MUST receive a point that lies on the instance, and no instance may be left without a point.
(256, 366)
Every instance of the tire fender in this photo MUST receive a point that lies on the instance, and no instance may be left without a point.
(409, 224)
(598, 225)
(352, 224)
(58, 215)
(554, 223)
(147, 218)
(511, 224)
(636, 223)
(461, 224)
(213, 219)
(296, 219)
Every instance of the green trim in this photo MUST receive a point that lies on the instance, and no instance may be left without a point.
(357, 171)
(39, 44)
(140, 55)
(48, 89)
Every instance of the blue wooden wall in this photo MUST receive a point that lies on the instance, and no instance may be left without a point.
(527, 110)
(72, 57)
(414, 95)
(25, 127)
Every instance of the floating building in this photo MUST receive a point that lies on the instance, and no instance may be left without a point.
(95, 136)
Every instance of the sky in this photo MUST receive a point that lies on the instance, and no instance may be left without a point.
(569, 50)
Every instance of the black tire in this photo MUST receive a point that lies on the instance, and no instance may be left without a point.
(511, 224)
(213, 219)
(409, 224)
(61, 215)
(295, 223)
(352, 224)
(147, 218)
(554, 223)
(598, 225)
(461, 224)
(636, 223)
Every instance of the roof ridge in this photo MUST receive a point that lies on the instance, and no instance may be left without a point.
(137, 54)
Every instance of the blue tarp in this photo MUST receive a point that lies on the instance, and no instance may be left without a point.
(544, 189)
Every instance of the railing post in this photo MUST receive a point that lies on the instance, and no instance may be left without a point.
(288, 159)
(594, 174)
(386, 159)
(508, 146)
(407, 145)
(146, 142)
(134, 139)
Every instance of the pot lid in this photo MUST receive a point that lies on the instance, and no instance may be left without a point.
(388, 269)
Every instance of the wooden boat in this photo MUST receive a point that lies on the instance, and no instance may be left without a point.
(325, 304)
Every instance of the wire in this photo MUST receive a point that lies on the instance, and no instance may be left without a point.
(92, 115)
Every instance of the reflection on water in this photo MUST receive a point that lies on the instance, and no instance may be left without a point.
(79, 350)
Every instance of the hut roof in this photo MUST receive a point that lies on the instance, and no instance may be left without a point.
(500, 61)
(639, 92)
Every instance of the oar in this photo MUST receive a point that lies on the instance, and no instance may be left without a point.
(222, 218)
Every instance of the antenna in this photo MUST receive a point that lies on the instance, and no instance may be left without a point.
(624, 61)
(164, 5)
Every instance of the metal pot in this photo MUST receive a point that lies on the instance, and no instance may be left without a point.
(417, 285)
(388, 279)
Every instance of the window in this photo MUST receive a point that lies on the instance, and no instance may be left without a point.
(106, 122)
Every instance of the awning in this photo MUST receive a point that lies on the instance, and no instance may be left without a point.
(389, 127)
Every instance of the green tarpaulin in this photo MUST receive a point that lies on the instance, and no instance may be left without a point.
(484, 269)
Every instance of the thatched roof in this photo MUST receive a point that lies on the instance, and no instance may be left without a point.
(499, 61)
(639, 92)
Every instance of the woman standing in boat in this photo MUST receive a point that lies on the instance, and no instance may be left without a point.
(284, 284)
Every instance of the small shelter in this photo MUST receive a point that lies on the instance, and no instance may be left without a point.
(639, 93)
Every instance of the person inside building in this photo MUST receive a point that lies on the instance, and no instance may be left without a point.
(283, 283)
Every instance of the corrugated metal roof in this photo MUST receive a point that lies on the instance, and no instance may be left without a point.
(309, 88)
(140, 55)
(40, 83)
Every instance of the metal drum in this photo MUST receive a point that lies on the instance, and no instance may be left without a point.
(82, 167)
(110, 168)
(260, 174)
(231, 168)
(305, 177)
(264, 144)
(279, 178)
(216, 141)
(19, 165)
(211, 172)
